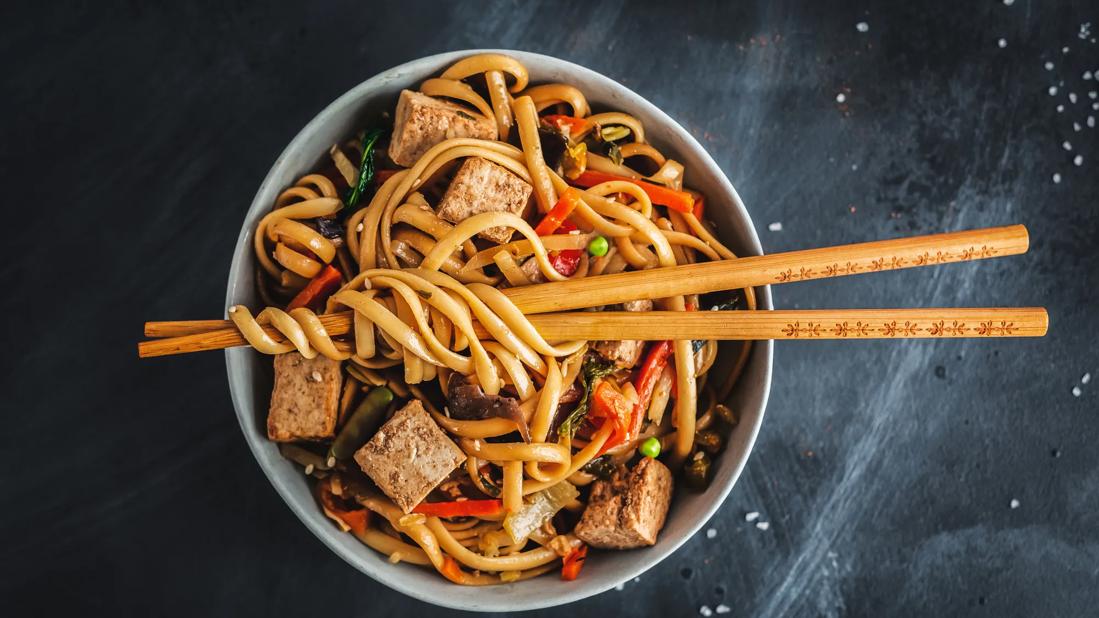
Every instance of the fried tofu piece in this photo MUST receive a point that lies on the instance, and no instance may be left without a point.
(625, 354)
(629, 510)
(305, 400)
(482, 186)
(409, 456)
(422, 122)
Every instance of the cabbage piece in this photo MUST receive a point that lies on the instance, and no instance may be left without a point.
(538, 508)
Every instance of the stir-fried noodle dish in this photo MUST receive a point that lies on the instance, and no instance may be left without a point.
(442, 430)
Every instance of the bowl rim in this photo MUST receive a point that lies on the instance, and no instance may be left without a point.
(308, 516)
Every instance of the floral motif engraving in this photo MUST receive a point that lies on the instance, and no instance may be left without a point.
(892, 329)
(795, 330)
(843, 329)
(989, 329)
(942, 329)
(892, 262)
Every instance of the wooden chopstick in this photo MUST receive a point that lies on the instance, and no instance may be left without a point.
(804, 265)
(719, 325)
(775, 268)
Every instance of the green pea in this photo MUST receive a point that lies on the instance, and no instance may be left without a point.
(650, 447)
(598, 246)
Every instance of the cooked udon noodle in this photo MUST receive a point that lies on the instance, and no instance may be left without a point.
(416, 283)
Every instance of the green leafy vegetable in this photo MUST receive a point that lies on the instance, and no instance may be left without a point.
(591, 372)
(366, 169)
(614, 153)
(601, 468)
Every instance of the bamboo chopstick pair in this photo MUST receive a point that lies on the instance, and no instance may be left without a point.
(544, 303)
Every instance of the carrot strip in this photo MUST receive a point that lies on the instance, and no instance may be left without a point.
(318, 289)
(663, 196)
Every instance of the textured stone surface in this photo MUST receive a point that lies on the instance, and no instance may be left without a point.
(133, 141)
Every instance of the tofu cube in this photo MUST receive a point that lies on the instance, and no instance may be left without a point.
(422, 122)
(629, 510)
(305, 400)
(409, 456)
(481, 186)
(625, 354)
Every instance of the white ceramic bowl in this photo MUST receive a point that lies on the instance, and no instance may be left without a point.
(250, 374)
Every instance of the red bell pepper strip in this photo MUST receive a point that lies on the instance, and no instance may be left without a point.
(356, 519)
(318, 289)
(573, 562)
(465, 508)
(560, 121)
(565, 261)
(651, 368)
(611, 405)
(700, 207)
(567, 203)
(676, 200)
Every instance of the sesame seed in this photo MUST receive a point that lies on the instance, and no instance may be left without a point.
(1009, 2)
(316, 376)
(1076, 127)
(1095, 106)
(762, 525)
(706, 611)
(331, 462)
(359, 227)
(840, 98)
(754, 515)
(1072, 97)
(620, 587)
(862, 26)
(309, 469)
(1066, 145)
(723, 608)
(395, 557)
(775, 227)
(697, 456)
(1091, 122)
(1076, 392)
(1087, 75)
(1002, 43)
(1014, 503)
(1092, 94)
(1056, 179)
(1084, 379)
(1064, 50)
(233, 309)
(1078, 160)
(1052, 91)
(1048, 65)
(711, 533)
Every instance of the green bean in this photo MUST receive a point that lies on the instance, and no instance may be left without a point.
(362, 423)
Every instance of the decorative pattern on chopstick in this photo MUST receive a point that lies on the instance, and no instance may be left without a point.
(793, 266)
(891, 262)
(909, 329)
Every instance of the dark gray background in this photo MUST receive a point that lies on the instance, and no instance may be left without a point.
(133, 141)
